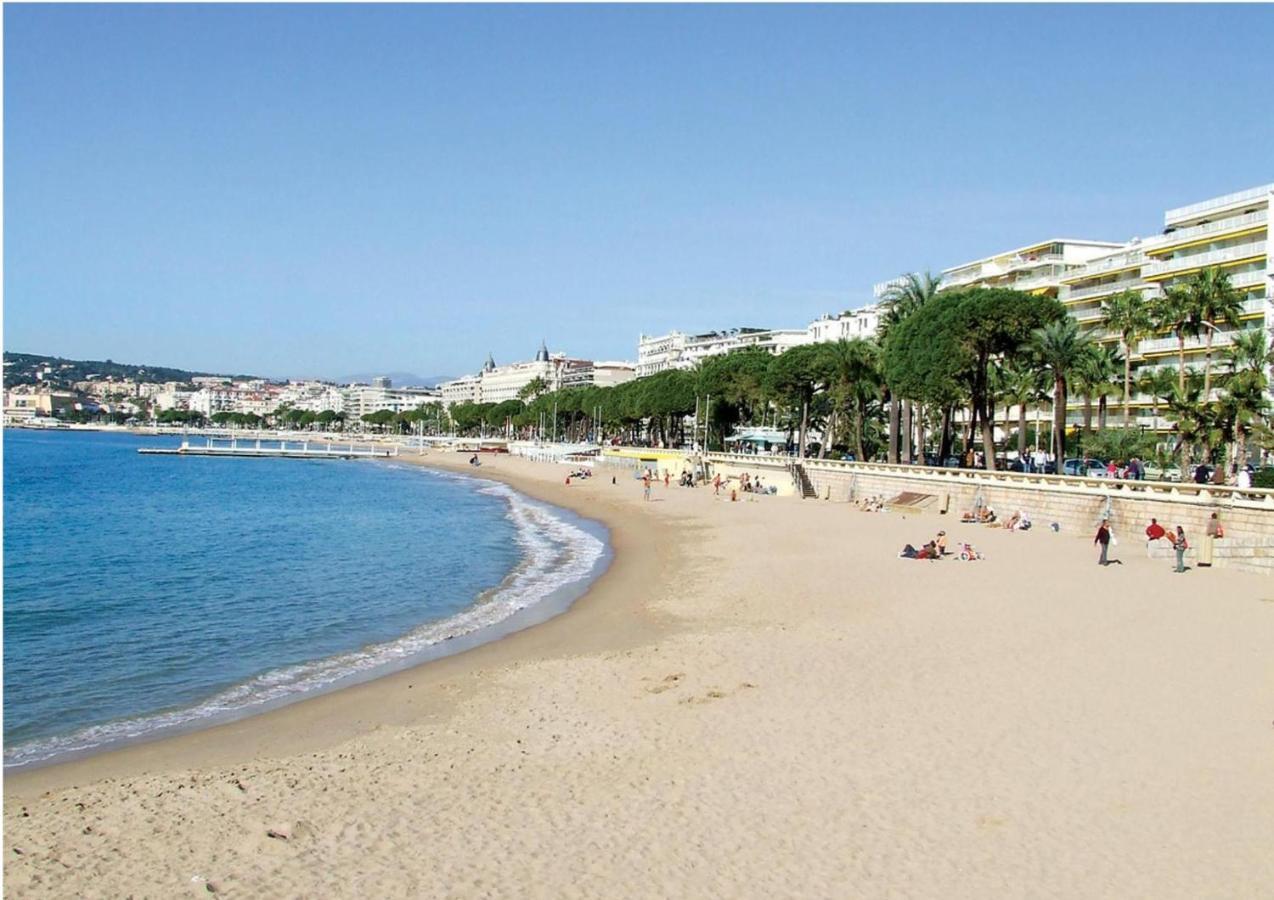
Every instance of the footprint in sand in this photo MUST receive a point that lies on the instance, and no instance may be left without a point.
(669, 682)
(715, 694)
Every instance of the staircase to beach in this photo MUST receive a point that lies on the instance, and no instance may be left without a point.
(803, 483)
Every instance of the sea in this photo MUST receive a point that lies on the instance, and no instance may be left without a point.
(148, 595)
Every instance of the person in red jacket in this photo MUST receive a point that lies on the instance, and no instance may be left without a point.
(1154, 532)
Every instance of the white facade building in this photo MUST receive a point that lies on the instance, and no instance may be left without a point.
(859, 323)
(1035, 269)
(496, 384)
(676, 350)
(364, 399)
(598, 374)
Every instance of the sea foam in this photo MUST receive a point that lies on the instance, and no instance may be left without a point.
(556, 555)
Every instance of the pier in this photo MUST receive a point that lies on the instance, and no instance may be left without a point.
(273, 449)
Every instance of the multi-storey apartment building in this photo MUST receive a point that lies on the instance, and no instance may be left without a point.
(676, 350)
(364, 399)
(1036, 269)
(862, 323)
(598, 374)
(1229, 232)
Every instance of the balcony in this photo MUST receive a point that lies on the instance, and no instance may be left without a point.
(1248, 279)
(1221, 226)
(1163, 345)
(1097, 290)
(1088, 315)
(1198, 209)
(1108, 264)
(1167, 267)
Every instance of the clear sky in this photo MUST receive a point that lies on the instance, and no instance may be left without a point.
(296, 190)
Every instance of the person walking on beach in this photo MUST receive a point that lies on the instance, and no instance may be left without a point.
(1103, 540)
(667, 478)
(1180, 545)
(716, 484)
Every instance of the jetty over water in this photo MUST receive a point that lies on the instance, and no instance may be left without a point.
(274, 449)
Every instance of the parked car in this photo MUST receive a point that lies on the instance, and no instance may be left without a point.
(1088, 467)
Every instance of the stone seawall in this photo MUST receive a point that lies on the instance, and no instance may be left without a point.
(1076, 505)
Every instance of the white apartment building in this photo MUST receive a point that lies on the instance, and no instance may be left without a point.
(1036, 269)
(465, 389)
(598, 374)
(676, 350)
(861, 323)
(313, 396)
(364, 399)
(1230, 232)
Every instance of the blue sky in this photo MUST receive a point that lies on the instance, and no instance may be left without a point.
(330, 189)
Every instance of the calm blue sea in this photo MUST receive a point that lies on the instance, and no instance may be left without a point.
(144, 594)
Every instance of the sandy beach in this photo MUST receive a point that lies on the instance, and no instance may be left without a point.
(757, 699)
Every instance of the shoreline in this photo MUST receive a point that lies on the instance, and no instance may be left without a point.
(330, 717)
(491, 615)
(758, 698)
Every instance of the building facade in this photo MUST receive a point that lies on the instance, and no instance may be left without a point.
(598, 374)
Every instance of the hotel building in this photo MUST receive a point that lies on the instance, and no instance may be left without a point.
(496, 384)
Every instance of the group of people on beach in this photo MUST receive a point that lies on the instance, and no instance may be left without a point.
(747, 485)
(937, 549)
(1155, 533)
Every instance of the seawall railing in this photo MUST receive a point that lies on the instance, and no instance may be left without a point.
(1167, 491)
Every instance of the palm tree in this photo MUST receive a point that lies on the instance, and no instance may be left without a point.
(855, 382)
(1106, 364)
(1174, 311)
(1128, 315)
(1158, 383)
(904, 297)
(1059, 349)
(1249, 358)
(1020, 385)
(1215, 301)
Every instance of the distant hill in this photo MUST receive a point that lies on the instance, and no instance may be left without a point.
(22, 368)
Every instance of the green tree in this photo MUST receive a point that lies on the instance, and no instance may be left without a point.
(1249, 359)
(1060, 348)
(855, 381)
(795, 377)
(1158, 383)
(1174, 311)
(1215, 301)
(533, 388)
(1128, 315)
(904, 298)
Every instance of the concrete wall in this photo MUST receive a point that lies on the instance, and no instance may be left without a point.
(1077, 504)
